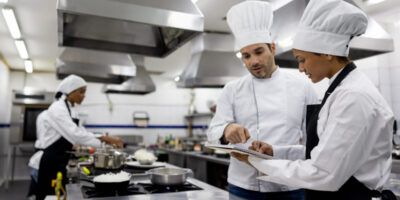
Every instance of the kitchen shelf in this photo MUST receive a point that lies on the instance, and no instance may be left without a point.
(197, 115)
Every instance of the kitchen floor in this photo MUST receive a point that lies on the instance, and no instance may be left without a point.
(16, 191)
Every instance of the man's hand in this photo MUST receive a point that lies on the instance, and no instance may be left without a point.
(234, 133)
(241, 157)
(262, 147)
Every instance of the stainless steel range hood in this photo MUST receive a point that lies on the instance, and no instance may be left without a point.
(286, 18)
(95, 66)
(140, 84)
(145, 27)
(213, 62)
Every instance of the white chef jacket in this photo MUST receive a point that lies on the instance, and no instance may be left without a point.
(56, 123)
(41, 127)
(62, 125)
(281, 101)
(355, 139)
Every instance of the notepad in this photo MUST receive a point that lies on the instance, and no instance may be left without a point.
(235, 148)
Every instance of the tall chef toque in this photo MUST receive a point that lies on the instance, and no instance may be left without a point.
(69, 84)
(327, 27)
(250, 23)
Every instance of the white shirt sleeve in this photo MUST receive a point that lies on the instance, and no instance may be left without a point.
(60, 120)
(339, 153)
(294, 152)
(223, 115)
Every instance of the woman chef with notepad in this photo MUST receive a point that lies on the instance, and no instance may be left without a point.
(348, 150)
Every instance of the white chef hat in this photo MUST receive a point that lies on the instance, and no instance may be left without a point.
(70, 83)
(250, 22)
(327, 27)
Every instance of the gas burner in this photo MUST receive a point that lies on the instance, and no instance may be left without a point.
(152, 189)
(139, 188)
(91, 192)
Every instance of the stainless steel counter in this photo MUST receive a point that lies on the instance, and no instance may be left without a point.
(208, 192)
(213, 158)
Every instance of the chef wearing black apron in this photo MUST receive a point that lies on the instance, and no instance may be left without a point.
(62, 132)
(352, 188)
(348, 147)
(55, 159)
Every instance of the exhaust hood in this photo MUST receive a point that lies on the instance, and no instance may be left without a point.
(145, 27)
(140, 84)
(286, 18)
(95, 66)
(213, 62)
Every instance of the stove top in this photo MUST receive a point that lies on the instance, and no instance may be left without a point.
(138, 188)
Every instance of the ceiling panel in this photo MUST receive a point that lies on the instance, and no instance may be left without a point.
(38, 23)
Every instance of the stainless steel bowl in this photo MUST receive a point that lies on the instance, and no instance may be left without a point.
(109, 159)
(169, 176)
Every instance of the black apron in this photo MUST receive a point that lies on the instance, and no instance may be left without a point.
(55, 159)
(352, 189)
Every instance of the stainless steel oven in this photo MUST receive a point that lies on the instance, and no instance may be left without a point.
(26, 106)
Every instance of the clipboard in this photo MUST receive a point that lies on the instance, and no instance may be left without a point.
(235, 148)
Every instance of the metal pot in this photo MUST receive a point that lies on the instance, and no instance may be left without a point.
(169, 176)
(110, 159)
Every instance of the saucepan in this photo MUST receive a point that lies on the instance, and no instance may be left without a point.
(169, 176)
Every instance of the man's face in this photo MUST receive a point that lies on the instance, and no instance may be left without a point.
(259, 59)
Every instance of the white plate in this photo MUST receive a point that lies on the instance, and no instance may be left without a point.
(138, 165)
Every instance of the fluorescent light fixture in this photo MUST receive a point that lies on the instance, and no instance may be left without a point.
(3, 1)
(194, 1)
(28, 66)
(11, 22)
(372, 2)
(21, 47)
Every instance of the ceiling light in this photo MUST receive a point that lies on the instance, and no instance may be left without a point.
(21, 47)
(3, 1)
(11, 22)
(28, 66)
(286, 42)
(372, 2)
(194, 1)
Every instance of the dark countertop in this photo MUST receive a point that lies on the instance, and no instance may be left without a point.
(212, 158)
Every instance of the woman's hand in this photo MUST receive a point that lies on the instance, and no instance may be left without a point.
(113, 140)
(262, 147)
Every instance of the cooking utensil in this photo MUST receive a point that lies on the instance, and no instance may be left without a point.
(136, 164)
(169, 176)
(116, 185)
(109, 159)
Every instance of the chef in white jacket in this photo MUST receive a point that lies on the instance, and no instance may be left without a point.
(268, 104)
(349, 134)
(62, 131)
